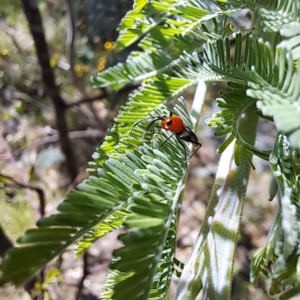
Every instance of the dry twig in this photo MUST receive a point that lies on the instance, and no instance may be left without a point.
(35, 24)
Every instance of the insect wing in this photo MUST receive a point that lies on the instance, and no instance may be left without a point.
(189, 136)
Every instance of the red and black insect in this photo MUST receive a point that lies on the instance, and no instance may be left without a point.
(176, 126)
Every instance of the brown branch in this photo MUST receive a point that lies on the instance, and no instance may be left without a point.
(39, 191)
(70, 44)
(78, 82)
(87, 100)
(12, 34)
(6, 244)
(124, 90)
(72, 135)
(35, 24)
(84, 275)
(19, 174)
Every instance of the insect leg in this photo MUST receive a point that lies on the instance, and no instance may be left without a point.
(192, 140)
(181, 143)
(198, 146)
(168, 138)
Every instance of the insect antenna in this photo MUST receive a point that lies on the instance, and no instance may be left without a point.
(150, 124)
(140, 121)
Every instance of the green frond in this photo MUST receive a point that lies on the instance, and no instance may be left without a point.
(278, 260)
(259, 265)
(142, 19)
(285, 5)
(162, 279)
(179, 266)
(273, 21)
(280, 98)
(210, 265)
(242, 68)
(195, 70)
(152, 220)
(164, 47)
(141, 191)
(95, 199)
(291, 41)
(147, 15)
(143, 102)
(112, 222)
(155, 245)
(139, 25)
(141, 66)
(273, 82)
(137, 68)
(234, 105)
(244, 64)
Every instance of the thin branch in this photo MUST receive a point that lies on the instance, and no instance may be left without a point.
(84, 275)
(6, 244)
(19, 173)
(39, 191)
(35, 23)
(70, 43)
(87, 100)
(124, 90)
(78, 82)
(13, 35)
(72, 135)
(13, 93)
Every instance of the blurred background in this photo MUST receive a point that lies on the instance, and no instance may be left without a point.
(36, 170)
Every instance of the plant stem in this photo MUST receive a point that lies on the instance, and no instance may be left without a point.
(34, 18)
(210, 266)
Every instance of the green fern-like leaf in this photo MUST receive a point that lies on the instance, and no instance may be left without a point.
(55, 233)
(128, 191)
(139, 187)
(277, 262)
(273, 82)
(136, 23)
(285, 6)
(279, 99)
(111, 223)
(234, 105)
(155, 203)
(209, 267)
(163, 46)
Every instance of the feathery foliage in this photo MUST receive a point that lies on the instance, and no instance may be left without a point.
(138, 187)
(278, 261)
